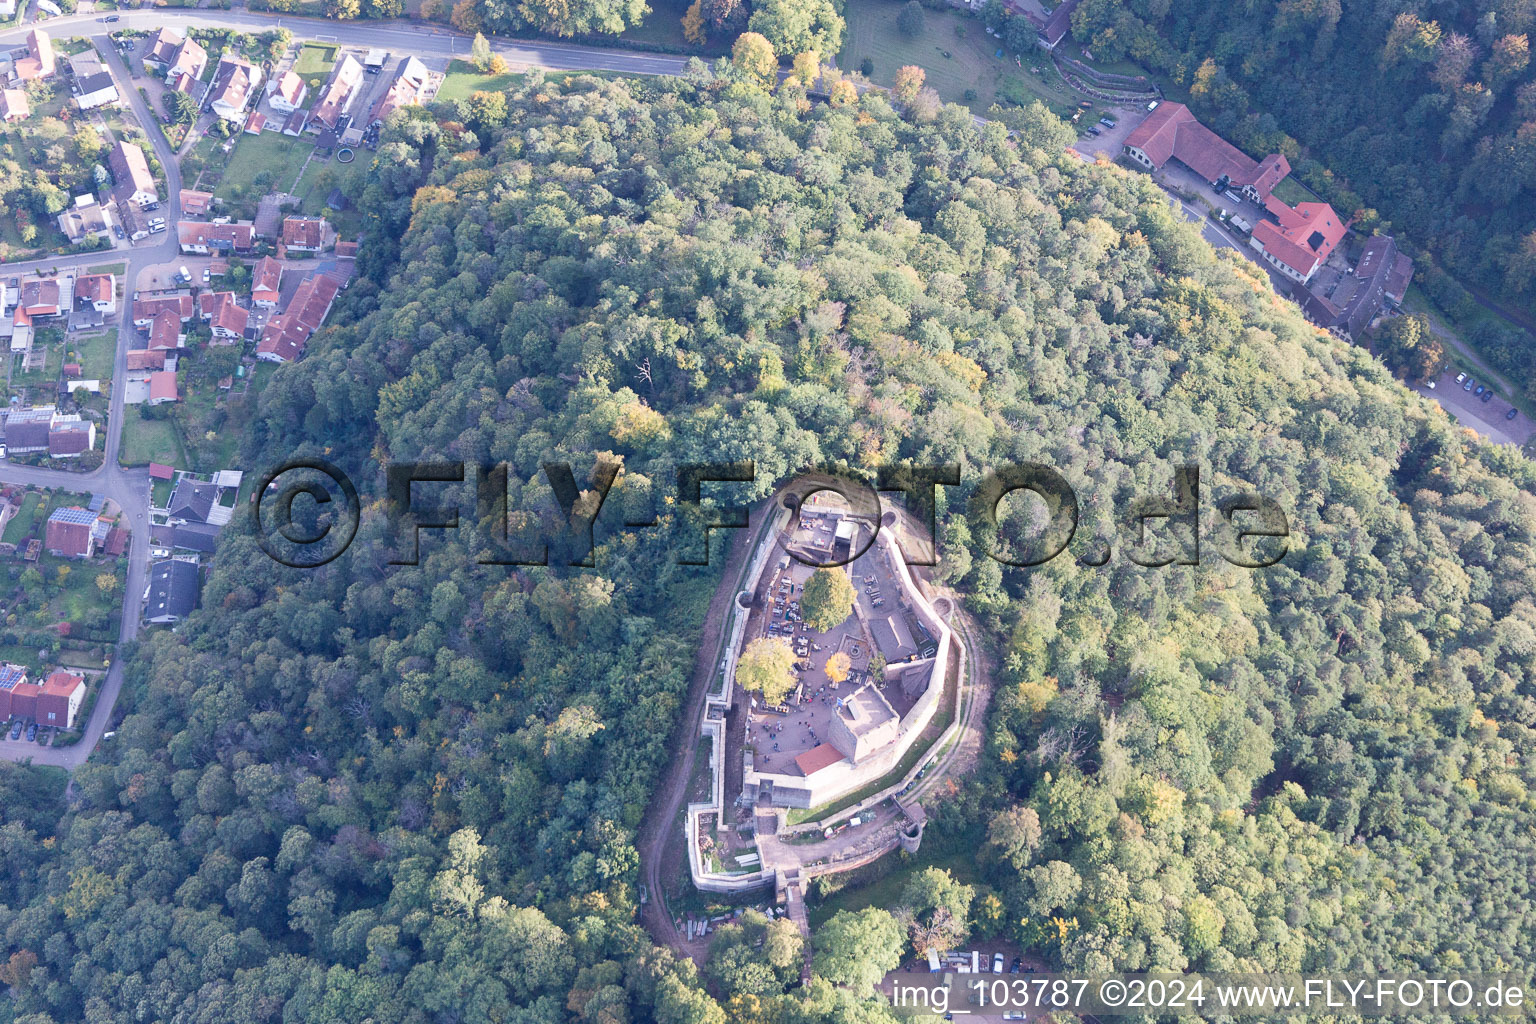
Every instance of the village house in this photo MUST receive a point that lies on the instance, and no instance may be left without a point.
(191, 501)
(130, 170)
(14, 106)
(134, 219)
(223, 314)
(172, 591)
(235, 83)
(1297, 241)
(1171, 132)
(195, 204)
(162, 49)
(406, 89)
(60, 698)
(1349, 304)
(39, 62)
(185, 72)
(18, 697)
(70, 435)
(201, 239)
(286, 93)
(87, 219)
(266, 277)
(96, 90)
(146, 309)
(340, 93)
(141, 360)
(69, 534)
(26, 430)
(285, 334)
(165, 332)
(162, 387)
(307, 234)
(98, 291)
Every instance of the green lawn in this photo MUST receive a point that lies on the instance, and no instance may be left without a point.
(893, 872)
(1293, 191)
(463, 79)
(314, 59)
(20, 525)
(149, 441)
(955, 52)
(273, 157)
(160, 492)
(95, 354)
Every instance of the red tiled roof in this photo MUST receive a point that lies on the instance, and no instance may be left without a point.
(146, 359)
(1304, 236)
(305, 232)
(814, 760)
(162, 386)
(266, 277)
(146, 309)
(94, 287)
(160, 471)
(1172, 132)
(116, 542)
(165, 331)
(289, 87)
(195, 204)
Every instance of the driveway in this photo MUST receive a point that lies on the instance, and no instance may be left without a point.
(1110, 141)
(1486, 418)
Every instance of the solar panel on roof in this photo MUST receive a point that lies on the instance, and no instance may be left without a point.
(72, 514)
(96, 502)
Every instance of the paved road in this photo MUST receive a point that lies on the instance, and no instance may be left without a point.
(404, 36)
(129, 489)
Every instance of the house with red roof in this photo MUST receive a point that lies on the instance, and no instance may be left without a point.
(1171, 132)
(165, 332)
(145, 310)
(200, 239)
(39, 62)
(162, 387)
(14, 105)
(69, 532)
(224, 315)
(194, 203)
(286, 93)
(99, 291)
(307, 234)
(59, 699)
(285, 335)
(266, 278)
(1298, 241)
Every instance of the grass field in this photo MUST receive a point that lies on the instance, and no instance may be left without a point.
(955, 52)
(314, 59)
(20, 525)
(274, 158)
(664, 25)
(95, 354)
(463, 79)
(150, 441)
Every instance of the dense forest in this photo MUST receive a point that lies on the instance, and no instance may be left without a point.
(410, 793)
(1416, 117)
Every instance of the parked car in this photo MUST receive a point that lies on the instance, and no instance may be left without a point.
(1512, 414)
(1153, 105)
(1460, 377)
(1479, 391)
(1107, 122)
(1468, 385)
(1094, 131)
(205, 275)
(31, 732)
(997, 963)
(15, 730)
(1487, 396)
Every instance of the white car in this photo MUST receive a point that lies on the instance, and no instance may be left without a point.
(997, 963)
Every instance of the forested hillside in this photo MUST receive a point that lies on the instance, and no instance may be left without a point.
(1421, 116)
(372, 792)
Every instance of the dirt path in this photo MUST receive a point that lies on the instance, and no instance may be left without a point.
(669, 797)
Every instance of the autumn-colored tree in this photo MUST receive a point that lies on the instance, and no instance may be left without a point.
(807, 65)
(842, 93)
(466, 16)
(837, 667)
(693, 23)
(17, 971)
(909, 81)
(752, 55)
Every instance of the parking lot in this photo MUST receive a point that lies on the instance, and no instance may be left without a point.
(1490, 419)
(1110, 141)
